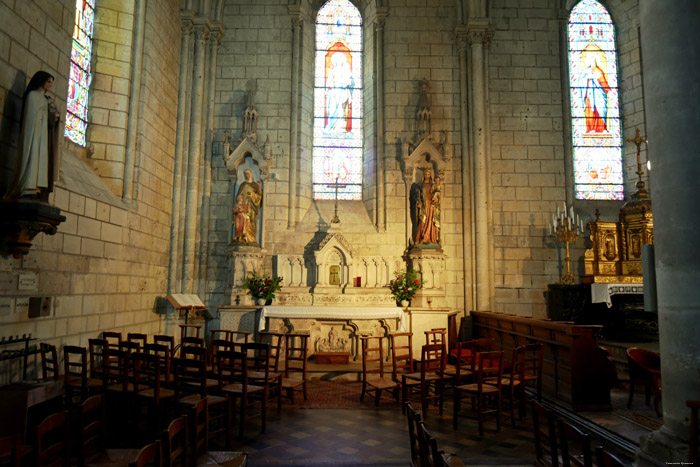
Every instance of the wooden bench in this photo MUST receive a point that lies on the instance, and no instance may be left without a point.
(575, 368)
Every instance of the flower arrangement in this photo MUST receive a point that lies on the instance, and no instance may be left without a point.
(261, 285)
(405, 285)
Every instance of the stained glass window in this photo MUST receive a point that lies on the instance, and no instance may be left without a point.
(595, 106)
(79, 82)
(337, 146)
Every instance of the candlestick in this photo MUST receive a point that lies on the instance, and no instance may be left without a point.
(567, 229)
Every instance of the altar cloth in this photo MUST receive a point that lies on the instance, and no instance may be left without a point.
(332, 312)
(602, 293)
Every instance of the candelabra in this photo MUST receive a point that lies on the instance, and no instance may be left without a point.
(566, 228)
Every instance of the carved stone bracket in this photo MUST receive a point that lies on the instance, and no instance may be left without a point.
(23, 220)
(242, 260)
(430, 262)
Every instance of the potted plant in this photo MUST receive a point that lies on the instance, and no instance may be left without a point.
(261, 286)
(404, 287)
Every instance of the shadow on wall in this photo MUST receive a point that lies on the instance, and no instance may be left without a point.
(10, 130)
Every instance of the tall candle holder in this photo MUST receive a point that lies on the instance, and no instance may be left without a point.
(566, 228)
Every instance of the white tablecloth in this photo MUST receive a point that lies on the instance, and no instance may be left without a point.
(332, 312)
(601, 293)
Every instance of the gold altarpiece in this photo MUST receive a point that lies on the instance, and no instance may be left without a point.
(616, 252)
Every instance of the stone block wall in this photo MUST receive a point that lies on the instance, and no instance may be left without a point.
(106, 267)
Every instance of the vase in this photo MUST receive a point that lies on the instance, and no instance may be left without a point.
(260, 301)
(405, 303)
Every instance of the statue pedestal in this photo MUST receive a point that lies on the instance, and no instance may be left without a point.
(243, 259)
(429, 260)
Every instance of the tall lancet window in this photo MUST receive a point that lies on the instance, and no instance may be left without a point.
(337, 146)
(79, 81)
(595, 105)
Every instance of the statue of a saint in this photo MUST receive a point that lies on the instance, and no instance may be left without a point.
(427, 210)
(37, 163)
(246, 209)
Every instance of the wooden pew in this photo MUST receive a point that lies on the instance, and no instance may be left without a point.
(575, 369)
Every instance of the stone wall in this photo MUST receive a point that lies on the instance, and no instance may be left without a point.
(106, 267)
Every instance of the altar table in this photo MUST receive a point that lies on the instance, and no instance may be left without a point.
(332, 312)
(602, 293)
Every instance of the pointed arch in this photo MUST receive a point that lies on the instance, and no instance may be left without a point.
(337, 141)
(80, 73)
(595, 103)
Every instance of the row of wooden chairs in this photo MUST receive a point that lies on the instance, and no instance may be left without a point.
(55, 442)
(559, 443)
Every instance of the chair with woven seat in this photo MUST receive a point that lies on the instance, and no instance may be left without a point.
(96, 348)
(488, 365)
(546, 444)
(75, 362)
(191, 386)
(414, 420)
(164, 358)
(52, 447)
(373, 377)
(575, 445)
(92, 432)
(174, 442)
(130, 347)
(233, 368)
(168, 341)
(526, 368)
(151, 454)
(198, 427)
(645, 368)
(113, 338)
(259, 374)
(295, 353)
(148, 385)
(49, 362)
(402, 359)
(139, 337)
(430, 378)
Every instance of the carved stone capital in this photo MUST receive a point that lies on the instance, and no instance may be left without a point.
(201, 29)
(186, 22)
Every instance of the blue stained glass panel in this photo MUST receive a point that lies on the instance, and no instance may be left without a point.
(595, 107)
(337, 142)
(79, 80)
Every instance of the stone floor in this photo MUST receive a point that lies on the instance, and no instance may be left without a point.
(369, 436)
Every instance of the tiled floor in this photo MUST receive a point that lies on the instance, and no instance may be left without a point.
(378, 437)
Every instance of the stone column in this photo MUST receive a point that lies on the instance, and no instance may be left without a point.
(201, 32)
(185, 34)
(214, 42)
(478, 34)
(132, 126)
(295, 117)
(467, 174)
(380, 178)
(671, 60)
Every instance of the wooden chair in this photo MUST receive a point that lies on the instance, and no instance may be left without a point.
(373, 370)
(274, 339)
(197, 352)
(115, 371)
(147, 383)
(259, 374)
(233, 367)
(546, 445)
(92, 431)
(605, 458)
(175, 440)
(130, 347)
(168, 341)
(430, 456)
(526, 368)
(198, 427)
(113, 338)
(489, 365)
(575, 446)
(11, 450)
(140, 338)
(645, 368)
(430, 378)
(414, 421)
(49, 362)
(295, 352)
(151, 454)
(402, 359)
(75, 363)
(693, 444)
(163, 353)
(191, 386)
(450, 460)
(52, 441)
(187, 330)
(96, 348)
(464, 363)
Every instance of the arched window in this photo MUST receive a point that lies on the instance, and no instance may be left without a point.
(595, 105)
(79, 82)
(337, 144)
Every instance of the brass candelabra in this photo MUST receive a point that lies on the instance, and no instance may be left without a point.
(566, 228)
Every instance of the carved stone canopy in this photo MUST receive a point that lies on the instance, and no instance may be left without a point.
(425, 155)
(246, 149)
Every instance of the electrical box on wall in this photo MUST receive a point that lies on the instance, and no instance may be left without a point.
(40, 307)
